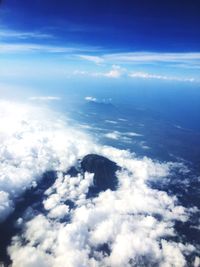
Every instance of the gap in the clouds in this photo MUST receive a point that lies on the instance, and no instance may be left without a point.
(185, 186)
(26, 207)
(102, 249)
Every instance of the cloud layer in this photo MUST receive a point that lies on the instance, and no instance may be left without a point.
(146, 75)
(116, 71)
(31, 143)
(132, 226)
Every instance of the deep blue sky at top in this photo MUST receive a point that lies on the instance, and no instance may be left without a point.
(98, 46)
(100, 40)
(121, 25)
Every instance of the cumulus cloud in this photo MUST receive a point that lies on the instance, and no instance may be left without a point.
(91, 99)
(125, 220)
(114, 72)
(131, 226)
(197, 262)
(31, 142)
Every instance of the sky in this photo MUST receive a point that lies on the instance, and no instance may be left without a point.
(145, 40)
(117, 25)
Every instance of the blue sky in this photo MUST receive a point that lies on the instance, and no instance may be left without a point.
(132, 39)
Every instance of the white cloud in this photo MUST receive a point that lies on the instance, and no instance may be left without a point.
(197, 262)
(172, 253)
(143, 145)
(152, 57)
(113, 73)
(111, 122)
(124, 219)
(29, 256)
(34, 140)
(6, 205)
(96, 59)
(113, 135)
(109, 74)
(59, 211)
(117, 72)
(133, 134)
(145, 75)
(173, 60)
(44, 98)
(91, 99)
(5, 34)
(98, 100)
(31, 47)
(125, 137)
(121, 119)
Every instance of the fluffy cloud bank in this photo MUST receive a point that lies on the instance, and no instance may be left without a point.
(132, 226)
(126, 227)
(31, 142)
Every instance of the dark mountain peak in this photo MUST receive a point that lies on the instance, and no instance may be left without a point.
(104, 172)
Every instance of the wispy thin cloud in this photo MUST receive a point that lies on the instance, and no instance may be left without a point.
(40, 48)
(44, 98)
(152, 57)
(117, 72)
(7, 34)
(95, 59)
(188, 59)
(145, 75)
